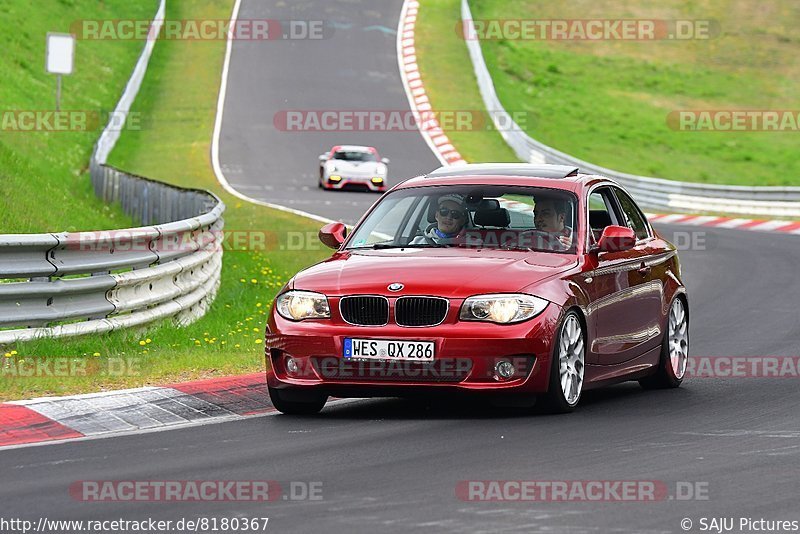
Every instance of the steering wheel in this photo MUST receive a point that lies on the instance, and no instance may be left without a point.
(428, 239)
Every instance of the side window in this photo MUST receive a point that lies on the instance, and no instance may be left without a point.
(634, 218)
(601, 211)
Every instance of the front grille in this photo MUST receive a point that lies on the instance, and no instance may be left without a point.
(365, 311)
(420, 311)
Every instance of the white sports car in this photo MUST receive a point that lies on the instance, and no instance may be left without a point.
(353, 167)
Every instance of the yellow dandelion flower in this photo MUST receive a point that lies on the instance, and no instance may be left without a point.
(143, 343)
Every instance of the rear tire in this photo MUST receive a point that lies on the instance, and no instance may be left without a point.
(674, 350)
(566, 367)
(295, 402)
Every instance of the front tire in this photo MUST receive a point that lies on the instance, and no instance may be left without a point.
(567, 367)
(294, 402)
(674, 350)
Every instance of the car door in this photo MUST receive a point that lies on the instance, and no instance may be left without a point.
(623, 300)
(650, 274)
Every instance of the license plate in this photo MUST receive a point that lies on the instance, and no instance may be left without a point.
(388, 349)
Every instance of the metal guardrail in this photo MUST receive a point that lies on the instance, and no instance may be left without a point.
(115, 278)
(656, 193)
(73, 283)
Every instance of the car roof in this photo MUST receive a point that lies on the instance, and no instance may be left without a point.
(564, 177)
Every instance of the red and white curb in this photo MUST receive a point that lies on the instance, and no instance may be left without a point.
(755, 225)
(131, 410)
(415, 90)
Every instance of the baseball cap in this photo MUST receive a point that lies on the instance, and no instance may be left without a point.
(452, 197)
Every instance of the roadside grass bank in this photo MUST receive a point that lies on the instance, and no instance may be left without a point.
(608, 101)
(44, 182)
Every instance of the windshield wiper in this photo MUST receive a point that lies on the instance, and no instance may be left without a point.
(490, 247)
(382, 246)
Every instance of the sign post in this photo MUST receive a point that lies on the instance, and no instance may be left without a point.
(60, 58)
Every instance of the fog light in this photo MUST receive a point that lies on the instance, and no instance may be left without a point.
(335, 178)
(291, 365)
(377, 180)
(504, 369)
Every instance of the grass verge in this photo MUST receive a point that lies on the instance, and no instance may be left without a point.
(177, 106)
(607, 101)
(41, 168)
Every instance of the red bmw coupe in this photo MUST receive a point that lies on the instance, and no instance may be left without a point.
(525, 282)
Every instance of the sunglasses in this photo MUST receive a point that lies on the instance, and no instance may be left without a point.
(454, 214)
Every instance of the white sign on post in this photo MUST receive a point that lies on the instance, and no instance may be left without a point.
(60, 56)
(60, 53)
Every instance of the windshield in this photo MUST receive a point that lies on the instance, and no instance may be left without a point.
(483, 216)
(354, 155)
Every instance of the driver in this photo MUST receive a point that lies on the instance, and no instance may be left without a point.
(451, 218)
(549, 215)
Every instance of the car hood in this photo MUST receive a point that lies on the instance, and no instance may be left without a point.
(447, 272)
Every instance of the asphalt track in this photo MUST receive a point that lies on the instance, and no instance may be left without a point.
(392, 465)
(353, 68)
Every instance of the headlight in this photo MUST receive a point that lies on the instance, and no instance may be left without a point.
(331, 167)
(299, 305)
(502, 308)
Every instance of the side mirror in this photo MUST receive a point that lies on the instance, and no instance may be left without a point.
(332, 234)
(323, 157)
(385, 161)
(616, 239)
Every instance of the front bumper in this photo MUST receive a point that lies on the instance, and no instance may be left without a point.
(352, 182)
(465, 357)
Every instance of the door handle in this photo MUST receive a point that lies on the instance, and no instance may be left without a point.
(644, 270)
